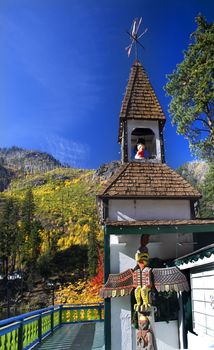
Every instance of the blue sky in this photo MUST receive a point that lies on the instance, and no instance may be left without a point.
(64, 70)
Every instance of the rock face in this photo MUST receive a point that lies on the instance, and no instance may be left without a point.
(27, 161)
(5, 178)
(194, 172)
(105, 171)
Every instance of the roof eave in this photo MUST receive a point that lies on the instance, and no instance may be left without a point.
(102, 196)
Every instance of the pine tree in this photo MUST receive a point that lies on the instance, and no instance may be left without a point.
(30, 228)
(9, 232)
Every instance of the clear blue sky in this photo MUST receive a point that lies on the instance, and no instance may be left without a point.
(64, 70)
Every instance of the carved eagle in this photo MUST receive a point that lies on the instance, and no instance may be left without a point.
(163, 279)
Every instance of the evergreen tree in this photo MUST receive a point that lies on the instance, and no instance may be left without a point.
(30, 228)
(207, 201)
(9, 232)
(192, 90)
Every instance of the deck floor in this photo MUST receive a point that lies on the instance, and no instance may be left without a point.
(86, 336)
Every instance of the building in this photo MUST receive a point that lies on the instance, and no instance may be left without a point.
(145, 196)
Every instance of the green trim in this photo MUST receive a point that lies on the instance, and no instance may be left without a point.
(107, 304)
(195, 257)
(106, 255)
(154, 230)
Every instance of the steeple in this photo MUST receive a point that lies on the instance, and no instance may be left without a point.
(141, 118)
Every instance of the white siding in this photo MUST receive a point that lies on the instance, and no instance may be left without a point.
(166, 335)
(202, 284)
(150, 209)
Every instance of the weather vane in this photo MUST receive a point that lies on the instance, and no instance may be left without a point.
(135, 37)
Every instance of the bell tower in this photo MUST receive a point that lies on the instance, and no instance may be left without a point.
(141, 120)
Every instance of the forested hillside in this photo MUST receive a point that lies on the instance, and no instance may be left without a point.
(49, 226)
(63, 203)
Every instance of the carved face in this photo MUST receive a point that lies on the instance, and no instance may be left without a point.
(142, 258)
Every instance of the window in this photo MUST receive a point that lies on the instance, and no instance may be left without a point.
(143, 144)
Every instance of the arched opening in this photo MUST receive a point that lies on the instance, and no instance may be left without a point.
(143, 144)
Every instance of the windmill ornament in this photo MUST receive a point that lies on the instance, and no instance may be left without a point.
(135, 37)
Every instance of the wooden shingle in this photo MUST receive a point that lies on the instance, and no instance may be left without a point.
(147, 180)
(140, 101)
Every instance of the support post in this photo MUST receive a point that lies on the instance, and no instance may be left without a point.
(107, 303)
(60, 315)
(20, 336)
(52, 320)
(100, 311)
(40, 328)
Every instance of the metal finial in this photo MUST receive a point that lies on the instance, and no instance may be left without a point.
(135, 37)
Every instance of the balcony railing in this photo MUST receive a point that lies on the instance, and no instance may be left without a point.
(26, 331)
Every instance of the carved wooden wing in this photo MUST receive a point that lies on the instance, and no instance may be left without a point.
(170, 279)
(117, 285)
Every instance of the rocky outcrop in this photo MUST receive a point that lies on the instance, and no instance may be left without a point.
(105, 171)
(194, 172)
(27, 161)
(5, 178)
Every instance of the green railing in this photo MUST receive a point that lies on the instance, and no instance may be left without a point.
(26, 331)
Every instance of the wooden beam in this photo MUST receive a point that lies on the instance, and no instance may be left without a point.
(159, 229)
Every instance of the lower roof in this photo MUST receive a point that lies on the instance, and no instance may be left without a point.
(199, 257)
(147, 180)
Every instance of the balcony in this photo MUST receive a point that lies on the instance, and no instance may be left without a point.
(57, 327)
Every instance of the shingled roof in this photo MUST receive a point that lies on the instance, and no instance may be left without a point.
(147, 180)
(140, 101)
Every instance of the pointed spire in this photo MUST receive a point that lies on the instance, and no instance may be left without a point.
(140, 101)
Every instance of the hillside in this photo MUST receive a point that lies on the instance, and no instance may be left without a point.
(27, 161)
(65, 204)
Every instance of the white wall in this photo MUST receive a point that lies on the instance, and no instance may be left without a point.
(149, 209)
(202, 290)
(121, 259)
(163, 246)
(196, 342)
(151, 124)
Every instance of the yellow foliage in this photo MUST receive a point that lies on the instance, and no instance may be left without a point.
(76, 181)
(82, 292)
(86, 229)
(67, 183)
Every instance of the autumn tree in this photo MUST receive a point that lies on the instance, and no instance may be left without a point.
(191, 88)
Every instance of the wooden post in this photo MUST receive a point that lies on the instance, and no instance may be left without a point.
(100, 311)
(60, 314)
(20, 336)
(107, 303)
(52, 320)
(40, 328)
